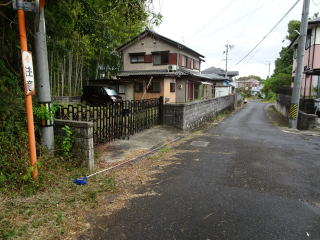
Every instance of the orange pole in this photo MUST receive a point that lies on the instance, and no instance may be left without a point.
(28, 99)
(42, 3)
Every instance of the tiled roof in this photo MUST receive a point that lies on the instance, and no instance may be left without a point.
(178, 73)
(211, 76)
(314, 21)
(219, 71)
(149, 73)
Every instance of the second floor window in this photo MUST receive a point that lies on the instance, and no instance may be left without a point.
(137, 59)
(184, 61)
(196, 64)
(160, 58)
(308, 40)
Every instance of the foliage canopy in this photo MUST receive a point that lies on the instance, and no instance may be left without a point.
(282, 75)
(82, 37)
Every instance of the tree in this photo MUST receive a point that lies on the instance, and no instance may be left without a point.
(282, 74)
(82, 37)
(250, 77)
(293, 26)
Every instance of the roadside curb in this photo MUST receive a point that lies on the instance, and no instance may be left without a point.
(289, 130)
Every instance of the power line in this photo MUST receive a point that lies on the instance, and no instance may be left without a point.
(316, 4)
(239, 19)
(246, 22)
(213, 19)
(274, 27)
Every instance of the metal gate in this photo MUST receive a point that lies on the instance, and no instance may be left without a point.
(115, 120)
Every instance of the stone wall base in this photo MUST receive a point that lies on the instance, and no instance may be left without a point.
(82, 134)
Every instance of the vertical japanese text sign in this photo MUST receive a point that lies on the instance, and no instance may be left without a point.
(28, 73)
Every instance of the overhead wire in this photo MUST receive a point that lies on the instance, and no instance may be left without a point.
(272, 29)
(246, 21)
(213, 19)
(316, 4)
(239, 19)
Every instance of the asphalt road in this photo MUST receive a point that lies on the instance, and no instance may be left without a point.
(245, 179)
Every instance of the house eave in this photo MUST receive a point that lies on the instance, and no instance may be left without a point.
(165, 39)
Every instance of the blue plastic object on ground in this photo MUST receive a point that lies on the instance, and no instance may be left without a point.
(82, 181)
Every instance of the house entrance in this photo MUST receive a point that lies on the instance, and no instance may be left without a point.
(116, 120)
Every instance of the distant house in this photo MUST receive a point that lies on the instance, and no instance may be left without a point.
(252, 85)
(154, 66)
(227, 86)
(310, 85)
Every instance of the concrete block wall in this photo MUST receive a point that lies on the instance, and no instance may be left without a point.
(283, 104)
(305, 121)
(82, 133)
(189, 116)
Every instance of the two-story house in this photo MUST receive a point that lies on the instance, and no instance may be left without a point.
(310, 84)
(154, 66)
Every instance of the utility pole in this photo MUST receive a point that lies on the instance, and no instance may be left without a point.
(295, 99)
(28, 76)
(43, 84)
(269, 70)
(226, 52)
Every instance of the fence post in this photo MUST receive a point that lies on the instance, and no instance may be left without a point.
(161, 110)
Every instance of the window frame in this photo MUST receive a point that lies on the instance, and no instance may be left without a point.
(197, 64)
(164, 58)
(124, 89)
(172, 87)
(151, 86)
(308, 40)
(137, 55)
(140, 88)
(183, 61)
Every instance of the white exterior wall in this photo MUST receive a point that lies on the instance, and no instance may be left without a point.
(222, 91)
(317, 33)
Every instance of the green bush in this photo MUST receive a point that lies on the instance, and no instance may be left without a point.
(13, 130)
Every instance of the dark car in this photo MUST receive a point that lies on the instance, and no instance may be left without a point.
(97, 95)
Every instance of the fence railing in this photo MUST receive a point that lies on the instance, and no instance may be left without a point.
(116, 120)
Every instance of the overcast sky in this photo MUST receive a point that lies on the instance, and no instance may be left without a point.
(206, 26)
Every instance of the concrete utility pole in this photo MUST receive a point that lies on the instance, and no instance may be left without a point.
(226, 52)
(43, 84)
(295, 99)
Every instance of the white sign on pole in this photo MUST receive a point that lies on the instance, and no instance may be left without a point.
(28, 73)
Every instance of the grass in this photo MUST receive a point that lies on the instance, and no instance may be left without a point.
(54, 207)
(268, 100)
(51, 209)
(158, 155)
